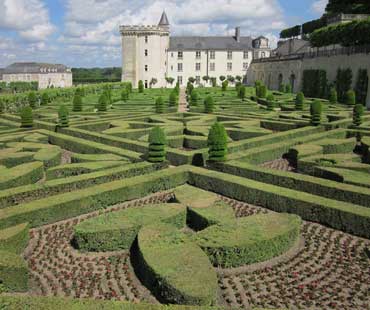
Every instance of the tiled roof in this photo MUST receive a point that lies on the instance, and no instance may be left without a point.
(34, 67)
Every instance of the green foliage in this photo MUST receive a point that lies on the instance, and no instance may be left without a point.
(222, 78)
(191, 80)
(170, 80)
(124, 94)
(194, 98)
(157, 145)
(32, 100)
(189, 88)
(358, 112)
(141, 86)
(343, 83)
(214, 81)
(159, 105)
(208, 104)
(311, 26)
(270, 102)
(96, 75)
(177, 88)
(262, 91)
(288, 88)
(348, 7)
(225, 84)
(242, 92)
(282, 88)
(290, 32)
(205, 78)
(350, 98)
(333, 97)
(103, 102)
(230, 79)
(26, 117)
(173, 98)
(217, 143)
(77, 103)
(315, 83)
(316, 110)
(299, 101)
(238, 78)
(45, 99)
(129, 87)
(63, 116)
(362, 86)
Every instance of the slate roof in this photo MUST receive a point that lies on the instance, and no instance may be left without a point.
(33, 67)
(210, 43)
(164, 20)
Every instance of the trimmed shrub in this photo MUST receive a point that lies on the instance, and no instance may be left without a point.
(124, 94)
(189, 89)
(63, 116)
(45, 99)
(315, 83)
(270, 102)
(358, 112)
(32, 100)
(214, 82)
(141, 86)
(262, 91)
(173, 99)
(299, 101)
(343, 83)
(350, 98)
(333, 97)
(217, 143)
(103, 102)
(194, 98)
(13, 272)
(77, 103)
(159, 105)
(362, 86)
(129, 87)
(14, 239)
(316, 110)
(26, 117)
(222, 78)
(157, 145)
(242, 92)
(208, 104)
(288, 88)
(225, 84)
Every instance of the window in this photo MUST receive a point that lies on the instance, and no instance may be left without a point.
(179, 79)
(212, 66)
(179, 67)
(146, 68)
(263, 55)
(229, 55)
(197, 80)
(179, 55)
(212, 55)
(197, 66)
(146, 39)
(229, 66)
(245, 65)
(246, 55)
(172, 55)
(146, 52)
(197, 54)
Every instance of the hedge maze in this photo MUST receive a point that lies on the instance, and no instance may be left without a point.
(112, 198)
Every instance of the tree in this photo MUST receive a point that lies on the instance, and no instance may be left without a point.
(32, 100)
(159, 105)
(77, 103)
(358, 112)
(189, 88)
(153, 81)
(157, 145)
(173, 99)
(316, 110)
(205, 78)
(362, 86)
(288, 88)
(282, 88)
(343, 83)
(242, 92)
(170, 80)
(194, 98)
(299, 101)
(217, 143)
(350, 98)
(141, 86)
(63, 116)
(262, 91)
(45, 99)
(102, 103)
(26, 117)
(270, 102)
(124, 94)
(208, 104)
(214, 82)
(177, 88)
(238, 78)
(222, 78)
(333, 98)
(191, 80)
(224, 85)
(231, 79)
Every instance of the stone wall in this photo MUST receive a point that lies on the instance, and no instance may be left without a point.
(45, 80)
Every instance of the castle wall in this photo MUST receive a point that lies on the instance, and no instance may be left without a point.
(129, 56)
(45, 80)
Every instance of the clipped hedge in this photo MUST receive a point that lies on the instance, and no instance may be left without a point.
(14, 239)
(13, 272)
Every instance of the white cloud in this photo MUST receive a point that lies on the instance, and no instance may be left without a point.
(319, 6)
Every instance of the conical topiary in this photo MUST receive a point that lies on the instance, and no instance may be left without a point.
(224, 85)
(194, 98)
(173, 98)
(157, 145)
(141, 86)
(316, 110)
(350, 98)
(242, 92)
(77, 103)
(45, 99)
(208, 104)
(63, 117)
(26, 117)
(124, 94)
(270, 102)
(217, 143)
(103, 102)
(159, 105)
(333, 97)
(32, 100)
(299, 101)
(358, 112)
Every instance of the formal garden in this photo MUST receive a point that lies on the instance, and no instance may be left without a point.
(251, 199)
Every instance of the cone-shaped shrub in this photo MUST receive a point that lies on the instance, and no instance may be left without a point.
(237, 87)
(299, 101)
(45, 99)
(194, 98)
(316, 110)
(225, 84)
(262, 91)
(288, 88)
(157, 145)
(333, 97)
(173, 98)
(208, 104)
(141, 86)
(270, 102)
(242, 92)
(350, 98)
(358, 112)
(217, 143)
(103, 103)
(63, 116)
(32, 100)
(189, 88)
(124, 94)
(26, 117)
(159, 105)
(77, 103)
(281, 88)
(177, 88)
(129, 87)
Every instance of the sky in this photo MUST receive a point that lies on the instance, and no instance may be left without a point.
(85, 33)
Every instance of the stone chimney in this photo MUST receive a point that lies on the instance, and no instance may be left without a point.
(237, 34)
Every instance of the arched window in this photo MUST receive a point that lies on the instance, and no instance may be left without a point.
(292, 81)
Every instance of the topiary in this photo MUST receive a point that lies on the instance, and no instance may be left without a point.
(141, 86)
(358, 112)
(45, 99)
(189, 88)
(299, 101)
(242, 92)
(208, 104)
(77, 103)
(173, 98)
(124, 94)
(63, 116)
(270, 102)
(217, 143)
(32, 100)
(350, 98)
(159, 105)
(262, 91)
(225, 84)
(157, 145)
(26, 117)
(281, 88)
(194, 98)
(288, 88)
(316, 110)
(333, 97)
(103, 102)
(129, 87)
(177, 88)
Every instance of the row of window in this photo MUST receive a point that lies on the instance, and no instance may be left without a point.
(212, 66)
(48, 70)
(212, 54)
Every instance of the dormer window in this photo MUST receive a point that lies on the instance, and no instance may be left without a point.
(197, 54)
(146, 39)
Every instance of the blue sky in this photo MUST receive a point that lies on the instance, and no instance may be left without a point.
(84, 33)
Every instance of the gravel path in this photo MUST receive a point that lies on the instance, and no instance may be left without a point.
(183, 105)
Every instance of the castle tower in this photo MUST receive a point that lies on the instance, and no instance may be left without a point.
(144, 53)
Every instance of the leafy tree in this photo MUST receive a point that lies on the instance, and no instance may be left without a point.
(159, 105)
(157, 145)
(141, 86)
(282, 88)
(225, 84)
(63, 116)
(362, 86)
(189, 88)
(32, 100)
(26, 117)
(153, 81)
(358, 112)
(129, 87)
(77, 104)
(217, 143)
(205, 78)
(343, 83)
(316, 110)
(222, 78)
(288, 88)
(299, 101)
(208, 104)
(191, 80)
(124, 94)
(333, 98)
(238, 78)
(170, 80)
(45, 99)
(214, 82)
(103, 103)
(194, 98)
(173, 98)
(262, 91)
(270, 102)
(231, 79)
(350, 98)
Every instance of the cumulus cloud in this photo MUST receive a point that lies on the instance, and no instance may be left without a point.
(319, 6)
